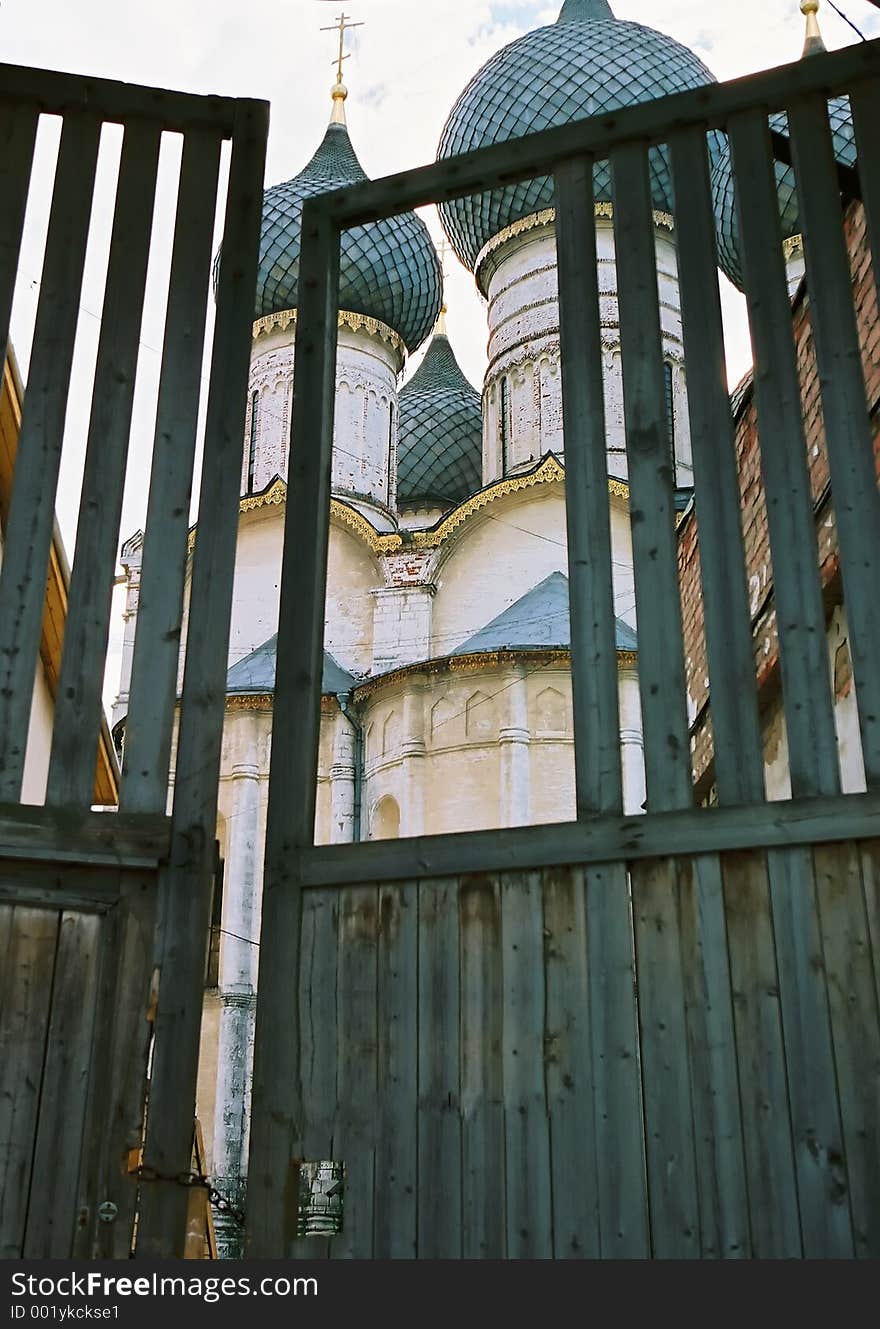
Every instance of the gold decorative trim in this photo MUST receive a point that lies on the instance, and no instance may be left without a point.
(274, 496)
(793, 245)
(256, 702)
(546, 217)
(355, 521)
(458, 664)
(286, 318)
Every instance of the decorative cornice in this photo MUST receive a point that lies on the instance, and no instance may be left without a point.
(286, 318)
(357, 522)
(275, 495)
(264, 701)
(547, 217)
(793, 245)
(484, 660)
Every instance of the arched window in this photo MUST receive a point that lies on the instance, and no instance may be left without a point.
(252, 441)
(385, 821)
(505, 423)
(670, 414)
(390, 452)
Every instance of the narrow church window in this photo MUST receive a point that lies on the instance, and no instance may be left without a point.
(390, 451)
(252, 443)
(505, 423)
(670, 413)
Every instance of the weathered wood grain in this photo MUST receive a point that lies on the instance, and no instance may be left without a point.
(666, 1088)
(772, 1184)
(396, 1171)
(620, 1148)
(29, 938)
(568, 1061)
(855, 1026)
(62, 836)
(484, 1226)
(439, 1198)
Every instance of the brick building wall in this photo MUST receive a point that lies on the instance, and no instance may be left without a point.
(754, 515)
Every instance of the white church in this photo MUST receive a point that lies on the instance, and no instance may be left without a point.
(447, 698)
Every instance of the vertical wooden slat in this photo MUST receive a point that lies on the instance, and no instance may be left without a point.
(484, 1228)
(593, 629)
(669, 1117)
(826, 1224)
(652, 511)
(848, 431)
(396, 1177)
(870, 856)
(864, 102)
(527, 1126)
(78, 705)
(569, 1072)
(439, 1199)
(855, 1026)
(186, 884)
(315, 1095)
(772, 1186)
(18, 132)
(52, 1210)
(718, 1134)
(160, 603)
(25, 997)
(809, 718)
(620, 1147)
(32, 509)
(354, 1138)
(738, 756)
(296, 712)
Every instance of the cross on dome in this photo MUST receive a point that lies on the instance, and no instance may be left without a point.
(339, 92)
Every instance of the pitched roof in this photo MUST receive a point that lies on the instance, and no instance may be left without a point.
(539, 620)
(256, 673)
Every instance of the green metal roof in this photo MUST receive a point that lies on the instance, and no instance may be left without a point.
(585, 64)
(256, 673)
(540, 620)
(440, 448)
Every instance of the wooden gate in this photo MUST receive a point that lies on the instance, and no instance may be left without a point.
(624, 1036)
(103, 916)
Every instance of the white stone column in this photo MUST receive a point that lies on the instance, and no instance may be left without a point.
(632, 743)
(342, 782)
(515, 738)
(239, 959)
(412, 811)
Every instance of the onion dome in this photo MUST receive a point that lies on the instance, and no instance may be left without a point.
(388, 270)
(440, 429)
(723, 190)
(585, 64)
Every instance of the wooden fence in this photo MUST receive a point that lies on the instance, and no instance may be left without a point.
(673, 1047)
(87, 973)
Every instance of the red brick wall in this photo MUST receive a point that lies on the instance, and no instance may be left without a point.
(758, 561)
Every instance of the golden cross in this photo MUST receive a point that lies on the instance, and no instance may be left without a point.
(341, 26)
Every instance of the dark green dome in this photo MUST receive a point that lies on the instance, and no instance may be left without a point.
(440, 448)
(726, 219)
(389, 270)
(585, 64)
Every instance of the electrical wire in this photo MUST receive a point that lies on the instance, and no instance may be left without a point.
(841, 14)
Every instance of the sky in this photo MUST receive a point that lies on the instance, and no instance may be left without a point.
(409, 63)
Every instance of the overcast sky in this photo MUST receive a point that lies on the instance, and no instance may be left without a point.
(409, 64)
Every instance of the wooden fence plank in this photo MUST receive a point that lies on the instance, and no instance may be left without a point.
(593, 629)
(78, 706)
(440, 1229)
(652, 511)
(870, 855)
(315, 1095)
(52, 1205)
(772, 1184)
(620, 1148)
(568, 1058)
(354, 1138)
(718, 1133)
(396, 1176)
(526, 1121)
(849, 434)
(160, 603)
(855, 1026)
(826, 1224)
(18, 132)
(739, 765)
(484, 1226)
(669, 1116)
(28, 535)
(25, 997)
(809, 718)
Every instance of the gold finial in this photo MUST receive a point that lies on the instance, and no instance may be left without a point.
(444, 251)
(814, 44)
(339, 91)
